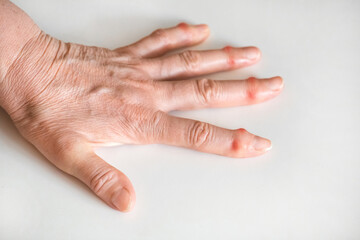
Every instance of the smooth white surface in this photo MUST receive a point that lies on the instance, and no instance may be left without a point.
(307, 187)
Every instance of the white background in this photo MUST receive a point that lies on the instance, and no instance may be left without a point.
(307, 187)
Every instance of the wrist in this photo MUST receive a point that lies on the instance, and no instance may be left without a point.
(26, 56)
(29, 74)
(16, 29)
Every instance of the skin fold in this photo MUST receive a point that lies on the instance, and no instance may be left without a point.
(66, 99)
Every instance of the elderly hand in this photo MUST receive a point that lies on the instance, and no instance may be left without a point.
(68, 98)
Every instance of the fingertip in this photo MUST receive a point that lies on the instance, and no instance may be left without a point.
(275, 84)
(204, 31)
(203, 27)
(122, 200)
(197, 32)
(270, 147)
(252, 53)
(281, 80)
(259, 52)
(262, 144)
(186, 26)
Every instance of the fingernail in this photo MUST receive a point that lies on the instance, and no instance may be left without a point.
(252, 53)
(262, 144)
(202, 27)
(275, 83)
(122, 200)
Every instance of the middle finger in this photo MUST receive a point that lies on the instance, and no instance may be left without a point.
(200, 93)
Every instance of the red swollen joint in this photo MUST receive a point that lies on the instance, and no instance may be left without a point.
(231, 60)
(183, 26)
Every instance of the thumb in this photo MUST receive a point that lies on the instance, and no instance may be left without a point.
(107, 182)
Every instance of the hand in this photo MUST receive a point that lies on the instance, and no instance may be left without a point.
(68, 98)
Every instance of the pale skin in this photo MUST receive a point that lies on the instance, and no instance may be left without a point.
(66, 99)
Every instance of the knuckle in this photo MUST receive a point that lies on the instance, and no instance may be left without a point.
(102, 180)
(240, 142)
(237, 146)
(158, 123)
(207, 90)
(124, 54)
(200, 133)
(161, 36)
(64, 143)
(190, 59)
(62, 146)
(157, 118)
(153, 129)
(252, 89)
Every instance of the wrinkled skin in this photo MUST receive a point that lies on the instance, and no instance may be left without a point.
(68, 98)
